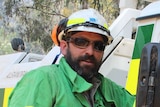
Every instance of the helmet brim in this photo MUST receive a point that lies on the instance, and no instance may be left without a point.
(88, 29)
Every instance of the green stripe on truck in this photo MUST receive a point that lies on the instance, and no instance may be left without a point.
(144, 35)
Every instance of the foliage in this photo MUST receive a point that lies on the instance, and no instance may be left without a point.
(142, 3)
(33, 20)
(5, 42)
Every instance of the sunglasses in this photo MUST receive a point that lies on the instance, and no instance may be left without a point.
(84, 43)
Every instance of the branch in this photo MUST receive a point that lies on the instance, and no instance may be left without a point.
(55, 13)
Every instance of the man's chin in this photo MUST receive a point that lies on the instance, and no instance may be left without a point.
(88, 71)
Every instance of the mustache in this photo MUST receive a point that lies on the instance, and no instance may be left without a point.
(88, 57)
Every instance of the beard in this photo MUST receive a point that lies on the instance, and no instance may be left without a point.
(86, 71)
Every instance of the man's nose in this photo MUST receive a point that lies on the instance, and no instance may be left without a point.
(90, 49)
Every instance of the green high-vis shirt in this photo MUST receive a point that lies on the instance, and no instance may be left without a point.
(59, 86)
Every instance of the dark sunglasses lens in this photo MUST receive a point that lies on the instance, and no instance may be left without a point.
(100, 46)
(81, 42)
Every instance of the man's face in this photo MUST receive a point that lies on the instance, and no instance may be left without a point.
(84, 53)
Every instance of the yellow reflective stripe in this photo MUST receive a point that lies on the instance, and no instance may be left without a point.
(132, 79)
(80, 20)
(105, 25)
(75, 21)
(6, 96)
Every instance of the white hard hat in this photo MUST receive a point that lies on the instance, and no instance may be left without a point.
(87, 20)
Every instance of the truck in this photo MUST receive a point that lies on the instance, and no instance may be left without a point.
(131, 30)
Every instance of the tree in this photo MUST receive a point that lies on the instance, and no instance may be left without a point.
(142, 3)
(35, 19)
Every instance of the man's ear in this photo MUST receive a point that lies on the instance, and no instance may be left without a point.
(63, 47)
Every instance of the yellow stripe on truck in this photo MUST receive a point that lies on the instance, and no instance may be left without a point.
(132, 80)
(6, 96)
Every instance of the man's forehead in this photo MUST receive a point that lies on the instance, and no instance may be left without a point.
(87, 34)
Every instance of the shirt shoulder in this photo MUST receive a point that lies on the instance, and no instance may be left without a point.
(44, 70)
(113, 92)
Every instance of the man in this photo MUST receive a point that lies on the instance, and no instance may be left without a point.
(18, 45)
(75, 81)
